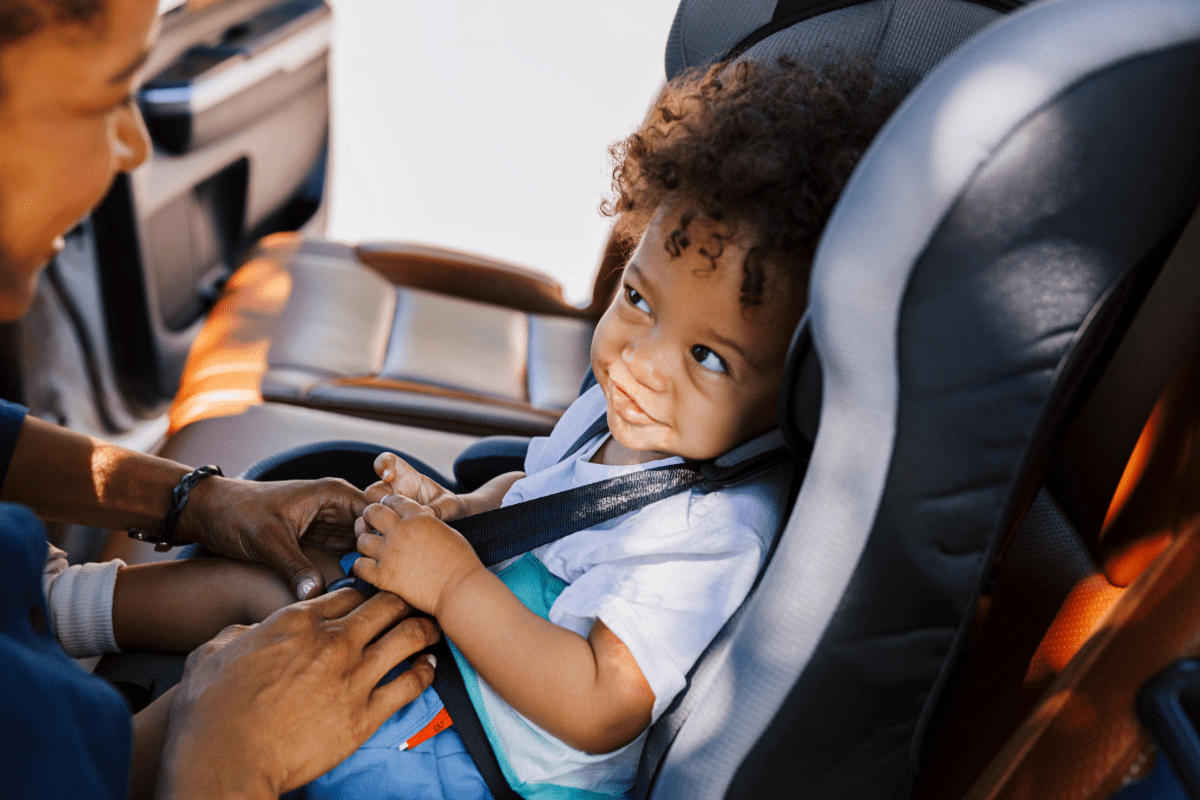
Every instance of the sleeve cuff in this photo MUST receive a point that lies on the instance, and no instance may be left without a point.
(80, 602)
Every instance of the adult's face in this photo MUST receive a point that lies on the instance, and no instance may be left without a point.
(68, 125)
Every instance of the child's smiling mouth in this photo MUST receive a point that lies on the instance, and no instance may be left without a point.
(626, 407)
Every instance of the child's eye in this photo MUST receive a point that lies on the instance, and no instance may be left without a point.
(708, 359)
(636, 300)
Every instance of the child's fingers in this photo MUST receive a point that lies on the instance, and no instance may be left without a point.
(370, 545)
(366, 568)
(406, 508)
(385, 465)
(377, 491)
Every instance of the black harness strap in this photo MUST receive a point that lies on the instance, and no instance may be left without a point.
(512, 530)
(452, 691)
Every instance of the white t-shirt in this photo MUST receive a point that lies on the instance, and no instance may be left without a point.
(664, 579)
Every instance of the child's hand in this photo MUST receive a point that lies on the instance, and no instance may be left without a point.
(416, 556)
(401, 479)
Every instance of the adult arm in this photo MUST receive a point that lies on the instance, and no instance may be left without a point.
(590, 693)
(263, 710)
(65, 476)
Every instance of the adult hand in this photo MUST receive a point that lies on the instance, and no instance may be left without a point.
(265, 709)
(399, 478)
(265, 521)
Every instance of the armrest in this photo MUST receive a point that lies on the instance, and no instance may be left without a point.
(487, 458)
(467, 276)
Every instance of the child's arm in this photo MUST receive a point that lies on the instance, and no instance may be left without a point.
(398, 477)
(175, 606)
(588, 692)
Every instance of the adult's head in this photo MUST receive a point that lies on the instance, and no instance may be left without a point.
(68, 123)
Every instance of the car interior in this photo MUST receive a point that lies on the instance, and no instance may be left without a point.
(987, 583)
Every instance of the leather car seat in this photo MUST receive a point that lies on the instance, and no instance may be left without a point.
(441, 339)
(404, 333)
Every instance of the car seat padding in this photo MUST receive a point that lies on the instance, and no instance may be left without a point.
(905, 38)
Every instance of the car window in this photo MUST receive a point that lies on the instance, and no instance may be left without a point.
(484, 126)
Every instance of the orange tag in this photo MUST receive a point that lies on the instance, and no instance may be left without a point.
(436, 725)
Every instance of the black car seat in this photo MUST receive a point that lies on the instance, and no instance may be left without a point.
(969, 292)
(435, 338)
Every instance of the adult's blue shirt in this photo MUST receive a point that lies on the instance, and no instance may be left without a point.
(66, 733)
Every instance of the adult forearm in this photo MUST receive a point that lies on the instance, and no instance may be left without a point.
(65, 476)
(584, 695)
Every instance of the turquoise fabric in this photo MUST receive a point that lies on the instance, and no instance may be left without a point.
(537, 588)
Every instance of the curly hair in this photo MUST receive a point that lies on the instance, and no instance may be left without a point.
(21, 18)
(761, 149)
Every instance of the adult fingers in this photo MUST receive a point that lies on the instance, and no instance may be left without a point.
(227, 636)
(331, 606)
(377, 614)
(338, 493)
(410, 636)
(388, 699)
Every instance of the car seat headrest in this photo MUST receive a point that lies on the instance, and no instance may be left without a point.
(905, 38)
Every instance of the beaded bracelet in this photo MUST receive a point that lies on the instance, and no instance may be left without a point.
(165, 539)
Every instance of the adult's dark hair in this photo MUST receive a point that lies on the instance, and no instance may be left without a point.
(21, 18)
(762, 149)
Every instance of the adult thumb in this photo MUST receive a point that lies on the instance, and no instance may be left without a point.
(289, 561)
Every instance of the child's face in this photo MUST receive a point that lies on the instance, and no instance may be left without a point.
(686, 370)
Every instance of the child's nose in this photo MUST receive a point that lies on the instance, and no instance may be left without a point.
(645, 361)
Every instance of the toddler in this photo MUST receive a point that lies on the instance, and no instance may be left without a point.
(571, 651)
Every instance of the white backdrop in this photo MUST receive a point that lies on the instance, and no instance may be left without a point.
(484, 125)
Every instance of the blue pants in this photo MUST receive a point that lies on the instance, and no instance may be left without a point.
(439, 767)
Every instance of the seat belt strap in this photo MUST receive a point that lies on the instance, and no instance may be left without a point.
(511, 530)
